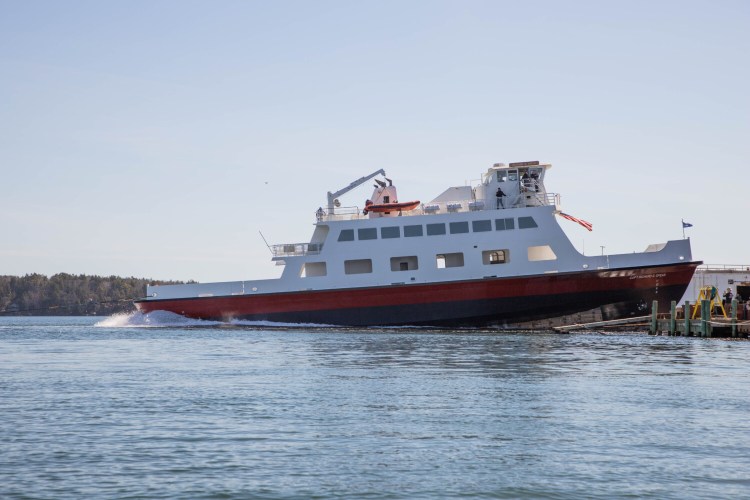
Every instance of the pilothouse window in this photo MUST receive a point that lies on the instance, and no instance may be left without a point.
(390, 232)
(503, 224)
(459, 227)
(369, 233)
(410, 231)
(479, 226)
(346, 235)
(526, 223)
(435, 229)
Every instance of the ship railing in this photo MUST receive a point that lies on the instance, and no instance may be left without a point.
(548, 199)
(296, 249)
(340, 213)
(445, 207)
(449, 207)
(736, 268)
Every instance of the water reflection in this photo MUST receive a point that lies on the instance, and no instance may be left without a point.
(498, 355)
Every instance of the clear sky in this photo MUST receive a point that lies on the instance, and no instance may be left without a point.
(157, 138)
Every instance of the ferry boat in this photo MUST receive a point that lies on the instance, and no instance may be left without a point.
(489, 254)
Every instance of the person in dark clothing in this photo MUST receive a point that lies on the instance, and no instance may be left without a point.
(500, 195)
(728, 297)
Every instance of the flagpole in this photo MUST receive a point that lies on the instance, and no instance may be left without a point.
(683, 228)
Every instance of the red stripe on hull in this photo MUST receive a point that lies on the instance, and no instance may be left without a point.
(420, 304)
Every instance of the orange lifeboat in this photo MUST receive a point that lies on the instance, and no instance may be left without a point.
(390, 207)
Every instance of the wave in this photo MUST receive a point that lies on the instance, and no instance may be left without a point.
(162, 319)
(242, 322)
(156, 319)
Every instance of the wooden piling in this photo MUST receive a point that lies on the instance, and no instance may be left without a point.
(654, 317)
(705, 318)
(734, 318)
(673, 318)
(687, 332)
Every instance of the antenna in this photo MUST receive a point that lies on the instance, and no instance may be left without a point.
(264, 241)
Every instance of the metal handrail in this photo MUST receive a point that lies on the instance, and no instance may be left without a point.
(442, 207)
(724, 267)
(296, 249)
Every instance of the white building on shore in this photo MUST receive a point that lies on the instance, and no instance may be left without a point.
(721, 276)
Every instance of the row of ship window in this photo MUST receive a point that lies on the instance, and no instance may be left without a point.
(436, 229)
(406, 263)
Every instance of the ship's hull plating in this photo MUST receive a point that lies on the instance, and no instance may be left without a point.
(493, 300)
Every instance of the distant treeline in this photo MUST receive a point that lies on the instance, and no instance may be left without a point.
(70, 295)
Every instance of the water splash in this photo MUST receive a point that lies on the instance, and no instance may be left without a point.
(156, 319)
(161, 319)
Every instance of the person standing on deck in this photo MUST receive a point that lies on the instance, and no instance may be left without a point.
(500, 195)
(728, 298)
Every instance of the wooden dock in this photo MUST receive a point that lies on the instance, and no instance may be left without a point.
(707, 325)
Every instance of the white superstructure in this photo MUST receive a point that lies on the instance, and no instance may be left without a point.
(465, 233)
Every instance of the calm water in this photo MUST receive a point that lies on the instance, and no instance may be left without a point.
(187, 411)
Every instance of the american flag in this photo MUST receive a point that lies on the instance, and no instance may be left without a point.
(582, 222)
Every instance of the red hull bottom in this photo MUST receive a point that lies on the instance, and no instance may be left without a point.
(488, 301)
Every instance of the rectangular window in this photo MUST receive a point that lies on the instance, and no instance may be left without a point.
(369, 233)
(526, 223)
(495, 257)
(445, 260)
(543, 252)
(459, 227)
(410, 231)
(311, 269)
(435, 229)
(409, 263)
(503, 224)
(479, 226)
(346, 235)
(390, 232)
(360, 266)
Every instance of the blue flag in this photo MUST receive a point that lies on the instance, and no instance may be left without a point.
(686, 224)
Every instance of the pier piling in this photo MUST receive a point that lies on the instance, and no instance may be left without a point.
(706, 326)
(673, 318)
(705, 318)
